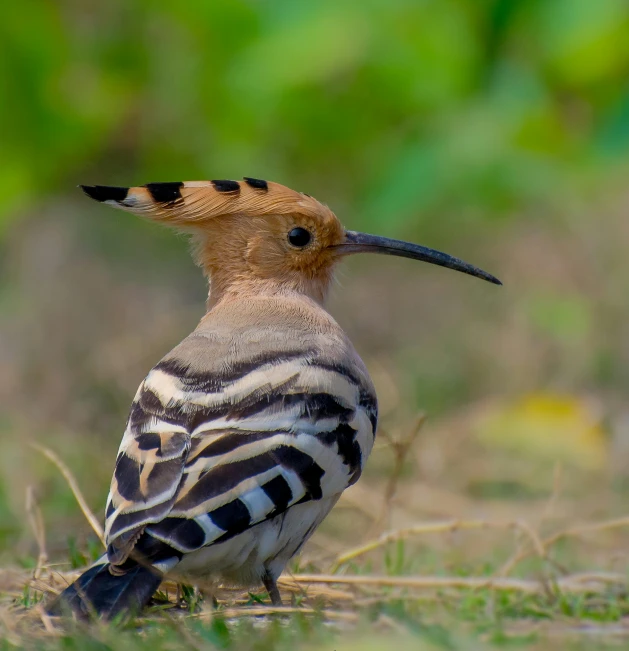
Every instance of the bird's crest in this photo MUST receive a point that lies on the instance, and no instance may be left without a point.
(190, 203)
(242, 231)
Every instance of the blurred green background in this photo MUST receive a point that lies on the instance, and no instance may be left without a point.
(393, 111)
(495, 129)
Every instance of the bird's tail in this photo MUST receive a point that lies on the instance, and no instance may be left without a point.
(99, 593)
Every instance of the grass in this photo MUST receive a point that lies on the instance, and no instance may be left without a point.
(407, 585)
(438, 612)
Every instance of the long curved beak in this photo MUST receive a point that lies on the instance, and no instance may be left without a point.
(364, 243)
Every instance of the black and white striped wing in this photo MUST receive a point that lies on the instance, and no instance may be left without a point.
(205, 457)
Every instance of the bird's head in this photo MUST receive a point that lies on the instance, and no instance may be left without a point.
(255, 236)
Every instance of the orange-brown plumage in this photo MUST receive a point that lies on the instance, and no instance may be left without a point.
(239, 234)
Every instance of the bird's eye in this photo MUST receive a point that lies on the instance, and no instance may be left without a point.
(299, 237)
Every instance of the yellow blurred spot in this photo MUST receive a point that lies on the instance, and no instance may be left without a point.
(547, 426)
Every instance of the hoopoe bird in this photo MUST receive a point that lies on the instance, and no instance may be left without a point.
(241, 439)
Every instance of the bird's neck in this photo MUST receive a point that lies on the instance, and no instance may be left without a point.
(225, 285)
(286, 312)
(232, 276)
(251, 288)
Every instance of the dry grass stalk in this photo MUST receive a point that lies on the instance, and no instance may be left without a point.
(546, 513)
(449, 526)
(74, 487)
(315, 592)
(577, 583)
(257, 611)
(47, 621)
(37, 525)
(570, 532)
(8, 633)
(45, 588)
(587, 528)
(400, 448)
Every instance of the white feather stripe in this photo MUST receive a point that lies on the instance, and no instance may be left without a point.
(158, 426)
(313, 379)
(243, 558)
(336, 474)
(212, 532)
(258, 503)
(128, 506)
(150, 457)
(115, 204)
(111, 519)
(170, 390)
(247, 450)
(171, 542)
(167, 565)
(364, 433)
(198, 449)
(138, 393)
(138, 200)
(334, 480)
(154, 426)
(286, 420)
(303, 442)
(206, 506)
(308, 379)
(295, 484)
(127, 438)
(164, 385)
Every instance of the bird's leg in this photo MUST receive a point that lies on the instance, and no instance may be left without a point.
(271, 587)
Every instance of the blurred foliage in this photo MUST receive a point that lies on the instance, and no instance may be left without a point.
(547, 426)
(388, 109)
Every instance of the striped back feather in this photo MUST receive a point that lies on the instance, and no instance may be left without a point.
(222, 436)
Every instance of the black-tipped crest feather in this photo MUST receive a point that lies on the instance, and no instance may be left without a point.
(105, 192)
